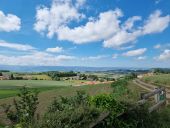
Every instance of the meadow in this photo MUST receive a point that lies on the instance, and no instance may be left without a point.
(34, 83)
(46, 96)
(159, 80)
(10, 88)
(129, 93)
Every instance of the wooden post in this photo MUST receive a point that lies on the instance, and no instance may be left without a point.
(156, 96)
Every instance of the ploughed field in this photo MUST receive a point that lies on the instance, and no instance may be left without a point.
(159, 80)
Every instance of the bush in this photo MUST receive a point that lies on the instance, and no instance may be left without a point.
(25, 108)
(73, 112)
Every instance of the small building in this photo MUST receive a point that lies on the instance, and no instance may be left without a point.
(1, 78)
(5, 77)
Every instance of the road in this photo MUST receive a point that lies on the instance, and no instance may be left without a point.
(150, 87)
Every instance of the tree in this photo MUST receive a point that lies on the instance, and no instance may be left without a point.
(12, 77)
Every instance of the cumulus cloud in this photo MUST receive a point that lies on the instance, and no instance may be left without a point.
(164, 56)
(60, 13)
(101, 28)
(55, 50)
(9, 22)
(156, 23)
(136, 52)
(121, 38)
(16, 46)
(129, 24)
(35, 58)
(106, 27)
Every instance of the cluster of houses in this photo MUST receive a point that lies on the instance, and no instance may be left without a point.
(145, 74)
(5, 77)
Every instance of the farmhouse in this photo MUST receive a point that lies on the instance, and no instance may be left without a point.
(5, 77)
(143, 75)
(1, 77)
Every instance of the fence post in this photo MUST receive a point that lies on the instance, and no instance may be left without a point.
(156, 96)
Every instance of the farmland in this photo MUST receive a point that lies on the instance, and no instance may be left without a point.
(34, 83)
(34, 76)
(47, 96)
(160, 79)
(10, 88)
(122, 90)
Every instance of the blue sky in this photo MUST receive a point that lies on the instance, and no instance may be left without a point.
(102, 33)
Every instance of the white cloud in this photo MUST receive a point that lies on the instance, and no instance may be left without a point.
(94, 57)
(59, 14)
(101, 28)
(55, 50)
(156, 23)
(141, 58)
(106, 27)
(164, 56)
(136, 52)
(36, 58)
(121, 38)
(114, 56)
(9, 22)
(129, 24)
(16, 46)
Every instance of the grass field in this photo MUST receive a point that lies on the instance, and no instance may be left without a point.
(160, 80)
(46, 97)
(10, 88)
(34, 83)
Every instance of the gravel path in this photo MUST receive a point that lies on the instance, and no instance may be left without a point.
(149, 87)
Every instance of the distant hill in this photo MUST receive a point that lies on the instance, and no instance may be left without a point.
(63, 68)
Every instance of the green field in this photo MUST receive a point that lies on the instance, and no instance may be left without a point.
(45, 97)
(34, 83)
(10, 88)
(160, 80)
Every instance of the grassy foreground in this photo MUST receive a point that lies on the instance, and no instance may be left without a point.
(46, 97)
(161, 79)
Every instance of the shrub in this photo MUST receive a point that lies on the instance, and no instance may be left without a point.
(72, 112)
(25, 108)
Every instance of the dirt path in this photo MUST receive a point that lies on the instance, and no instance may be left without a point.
(149, 87)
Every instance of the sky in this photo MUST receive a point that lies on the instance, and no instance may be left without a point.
(95, 33)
